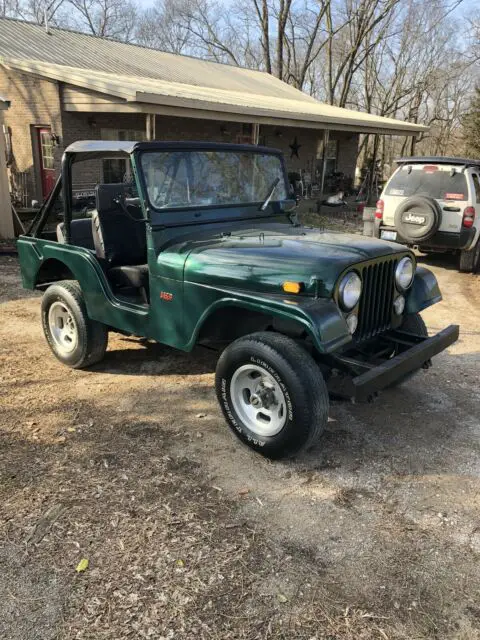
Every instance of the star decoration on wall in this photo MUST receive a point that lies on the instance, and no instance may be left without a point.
(295, 147)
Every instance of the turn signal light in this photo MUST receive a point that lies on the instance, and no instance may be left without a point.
(379, 211)
(292, 287)
(468, 217)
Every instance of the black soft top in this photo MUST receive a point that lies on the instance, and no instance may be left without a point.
(97, 148)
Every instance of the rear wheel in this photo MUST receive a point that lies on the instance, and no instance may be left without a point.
(272, 394)
(74, 338)
(470, 260)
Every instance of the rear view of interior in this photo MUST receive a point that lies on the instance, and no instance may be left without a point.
(116, 233)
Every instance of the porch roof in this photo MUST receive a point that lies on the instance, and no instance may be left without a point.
(102, 75)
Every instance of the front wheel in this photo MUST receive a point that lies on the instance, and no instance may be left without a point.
(74, 338)
(272, 394)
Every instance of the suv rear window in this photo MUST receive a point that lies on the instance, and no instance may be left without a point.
(428, 181)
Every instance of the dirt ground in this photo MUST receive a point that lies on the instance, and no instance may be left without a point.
(373, 534)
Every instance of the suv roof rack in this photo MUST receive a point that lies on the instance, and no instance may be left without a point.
(469, 162)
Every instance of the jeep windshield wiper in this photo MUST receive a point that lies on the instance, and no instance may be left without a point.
(270, 194)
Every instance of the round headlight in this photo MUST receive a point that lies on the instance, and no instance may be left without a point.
(350, 290)
(404, 273)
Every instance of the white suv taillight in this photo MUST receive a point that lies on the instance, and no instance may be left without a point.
(468, 217)
(379, 210)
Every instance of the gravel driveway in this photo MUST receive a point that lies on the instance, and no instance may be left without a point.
(374, 534)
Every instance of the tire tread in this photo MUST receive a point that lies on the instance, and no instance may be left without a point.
(470, 260)
(309, 375)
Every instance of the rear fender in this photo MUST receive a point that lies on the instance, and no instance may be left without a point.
(84, 267)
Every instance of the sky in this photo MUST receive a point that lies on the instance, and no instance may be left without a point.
(466, 6)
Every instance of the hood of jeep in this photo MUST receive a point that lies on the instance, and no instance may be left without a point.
(262, 260)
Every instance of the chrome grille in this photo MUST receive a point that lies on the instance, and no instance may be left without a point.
(375, 312)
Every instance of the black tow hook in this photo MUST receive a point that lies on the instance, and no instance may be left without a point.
(427, 364)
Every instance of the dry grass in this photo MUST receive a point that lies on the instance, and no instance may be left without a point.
(169, 555)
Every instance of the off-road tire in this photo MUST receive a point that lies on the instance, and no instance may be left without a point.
(412, 323)
(298, 376)
(470, 260)
(92, 335)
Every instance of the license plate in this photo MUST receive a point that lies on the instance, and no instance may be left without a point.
(388, 235)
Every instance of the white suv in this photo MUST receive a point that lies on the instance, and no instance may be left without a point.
(433, 204)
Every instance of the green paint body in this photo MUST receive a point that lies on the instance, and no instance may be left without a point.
(232, 257)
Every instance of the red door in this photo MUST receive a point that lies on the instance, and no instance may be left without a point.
(47, 167)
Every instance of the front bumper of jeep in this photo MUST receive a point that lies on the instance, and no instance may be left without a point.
(360, 379)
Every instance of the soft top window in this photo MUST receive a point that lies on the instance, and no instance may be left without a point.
(441, 183)
(192, 179)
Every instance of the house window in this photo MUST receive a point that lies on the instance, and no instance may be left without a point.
(46, 150)
(119, 169)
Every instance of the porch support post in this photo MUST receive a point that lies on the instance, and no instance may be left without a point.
(372, 195)
(255, 133)
(326, 138)
(413, 142)
(150, 126)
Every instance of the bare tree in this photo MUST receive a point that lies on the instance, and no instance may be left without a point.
(417, 73)
(32, 10)
(306, 37)
(348, 51)
(160, 27)
(395, 58)
(105, 18)
(263, 14)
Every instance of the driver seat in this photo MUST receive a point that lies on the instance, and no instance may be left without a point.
(119, 237)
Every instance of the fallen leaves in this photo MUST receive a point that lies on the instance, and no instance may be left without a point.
(82, 565)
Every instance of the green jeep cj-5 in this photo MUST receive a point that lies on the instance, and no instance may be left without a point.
(203, 246)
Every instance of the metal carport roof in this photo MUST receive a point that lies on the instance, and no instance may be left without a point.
(117, 77)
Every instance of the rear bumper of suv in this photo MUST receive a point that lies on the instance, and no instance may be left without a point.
(415, 353)
(440, 240)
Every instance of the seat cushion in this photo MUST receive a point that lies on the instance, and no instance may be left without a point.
(80, 233)
(118, 228)
(129, 276)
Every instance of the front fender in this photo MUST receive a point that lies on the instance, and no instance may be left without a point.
(424, 291)
(319, 318)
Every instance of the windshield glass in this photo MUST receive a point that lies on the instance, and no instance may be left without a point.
(187, 179)
(439, 182)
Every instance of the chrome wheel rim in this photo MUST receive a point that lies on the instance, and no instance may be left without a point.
(258, 400)
(63, 328)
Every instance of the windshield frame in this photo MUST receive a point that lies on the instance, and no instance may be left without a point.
(209, 212)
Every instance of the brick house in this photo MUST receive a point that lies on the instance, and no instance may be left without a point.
(65, 86)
